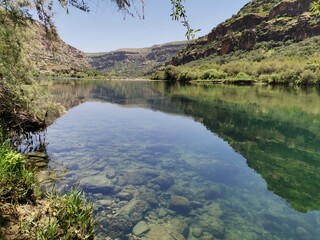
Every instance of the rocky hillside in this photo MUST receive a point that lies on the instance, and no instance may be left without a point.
(135, 62)
(258, 21)
(53, 55)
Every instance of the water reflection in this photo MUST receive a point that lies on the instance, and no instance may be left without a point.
(140, 164)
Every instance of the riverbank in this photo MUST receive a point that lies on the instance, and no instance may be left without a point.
(28, 212)
(288, 63)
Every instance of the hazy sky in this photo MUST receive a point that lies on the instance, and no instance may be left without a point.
(105, 29)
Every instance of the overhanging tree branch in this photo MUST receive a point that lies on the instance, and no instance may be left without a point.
(44, 10)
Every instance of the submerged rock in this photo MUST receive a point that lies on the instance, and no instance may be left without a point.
(37, 160)
(302, 233)
(140, 177)
(180, 226)
(148, 195)
(211, 192)
(127, 216)
(140, 228)
(197, 232)
(37, 155)
(164, 181)
(163, 232)
(123, 195)
(97, 184)
(210, 220)
(180, 204)
(110, 173)
(162, 212)
(214, 210)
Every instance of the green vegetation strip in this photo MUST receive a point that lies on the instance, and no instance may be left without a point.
(288, 63)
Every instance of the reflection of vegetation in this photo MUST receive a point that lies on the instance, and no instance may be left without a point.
(277, 129)
(71, 93)
(280, 140)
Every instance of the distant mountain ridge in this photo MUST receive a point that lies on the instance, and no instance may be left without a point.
(135, 61)
(258, 21)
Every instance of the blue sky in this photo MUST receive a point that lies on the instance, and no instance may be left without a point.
(105, 29)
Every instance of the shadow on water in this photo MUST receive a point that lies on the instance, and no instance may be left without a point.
(276, 130)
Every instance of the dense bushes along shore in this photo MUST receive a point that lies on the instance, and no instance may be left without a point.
(270, 62)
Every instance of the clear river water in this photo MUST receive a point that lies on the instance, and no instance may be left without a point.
(172, 161)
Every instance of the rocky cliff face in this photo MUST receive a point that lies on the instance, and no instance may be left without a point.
(258, 21)
(53, 55)
(135, 62)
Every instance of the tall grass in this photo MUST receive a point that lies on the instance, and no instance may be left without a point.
(68, 217)
(17, 184)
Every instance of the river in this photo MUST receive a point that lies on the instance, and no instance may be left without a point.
(191, 162)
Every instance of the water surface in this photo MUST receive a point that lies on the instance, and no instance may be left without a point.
(193, 162)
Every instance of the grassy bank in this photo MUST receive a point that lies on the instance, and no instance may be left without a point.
(270, 63)
(27, 213)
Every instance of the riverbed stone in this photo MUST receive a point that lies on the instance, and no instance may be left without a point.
(123, 195)
(302, 233)
(37, 155)
(37, 160)
(140, 228)
(180, 226)
(126, 217)
(211, 192)
(197, 232)
(110, 173)
(180, 204)
(105, 202)
(148, 195)
(162, 212)
(164, 181)
(208, 236)
(97, 184)
(214, 210)
(163, 232)
(140, 176)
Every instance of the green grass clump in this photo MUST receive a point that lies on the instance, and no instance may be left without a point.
(74, 215)
(68, 217)
(17, 184)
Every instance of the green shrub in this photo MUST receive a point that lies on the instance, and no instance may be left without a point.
(265, 78)
(159, 75)
(213, 74)
(307, 77)
(275, 78)
(243, 76)
(290, 75)
(17, 184)
(171, 73)
(187, 76)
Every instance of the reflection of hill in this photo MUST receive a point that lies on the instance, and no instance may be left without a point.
(280, 140)
(276, 130)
